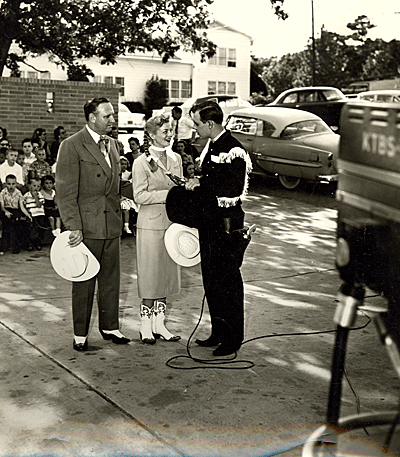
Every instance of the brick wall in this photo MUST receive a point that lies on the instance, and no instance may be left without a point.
(23, 105)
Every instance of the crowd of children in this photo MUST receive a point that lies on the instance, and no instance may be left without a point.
(28, 199)
(27, 196)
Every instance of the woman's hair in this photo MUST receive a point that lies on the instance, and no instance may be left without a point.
(151, 126)
(133, 138)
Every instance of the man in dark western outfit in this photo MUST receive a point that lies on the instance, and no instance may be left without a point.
(87, 185)
(225, 167)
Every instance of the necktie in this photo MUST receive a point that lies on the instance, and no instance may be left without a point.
(103, 145)
(176, 128)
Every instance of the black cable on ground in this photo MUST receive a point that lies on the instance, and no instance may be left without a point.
(232, 363)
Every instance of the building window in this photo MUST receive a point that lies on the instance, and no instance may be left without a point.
(32, 75)
(108, 79)
(231, 57)
(45, 75)
(96, 79)
(174, 89)
(222, 86)
(121, 82)
(224, 57)
(212, 88)
(231, 88)
(185, 89)
(177, 90)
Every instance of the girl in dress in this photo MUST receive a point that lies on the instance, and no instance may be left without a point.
(158, 275)
(50, 207)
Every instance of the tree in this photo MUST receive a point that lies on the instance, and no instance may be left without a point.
(73, 30)
(156, 95)
(360, 28)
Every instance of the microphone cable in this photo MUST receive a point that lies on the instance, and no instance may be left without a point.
(232, 363)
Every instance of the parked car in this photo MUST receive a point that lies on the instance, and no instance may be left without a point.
(228, 103)
(325, 102)
(290, 143)
(380, 96)
(128, 121)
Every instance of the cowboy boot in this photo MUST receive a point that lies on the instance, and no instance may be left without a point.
(158, 322)
(146, 317)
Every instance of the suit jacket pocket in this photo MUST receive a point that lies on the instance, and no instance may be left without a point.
(90, 218)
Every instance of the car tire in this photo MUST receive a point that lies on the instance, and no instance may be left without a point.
(289, 182)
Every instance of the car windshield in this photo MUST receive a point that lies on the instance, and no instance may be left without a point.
(304, 128)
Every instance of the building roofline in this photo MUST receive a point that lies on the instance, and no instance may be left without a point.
(221, 24)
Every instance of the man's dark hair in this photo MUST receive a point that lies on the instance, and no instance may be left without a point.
(92, 105)
(57, 131)
(177, 110)
(10, 176)
(208, 111)
(26, 140)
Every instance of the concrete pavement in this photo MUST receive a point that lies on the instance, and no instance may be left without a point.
(125, 400)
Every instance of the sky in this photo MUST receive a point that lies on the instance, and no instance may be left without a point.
(274, 37)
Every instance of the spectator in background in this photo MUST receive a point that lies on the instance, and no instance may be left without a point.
(10, 167)
(34, 203)
(182, 126)
(50, 206)
(39, 168)
(3, 154)
(40, 136)
(29, 157)
(3, 133)
(4, 143)
(134, 152)
(21, 159)
(13, 212)
(188, 170)
(127, 205)
(59, 135)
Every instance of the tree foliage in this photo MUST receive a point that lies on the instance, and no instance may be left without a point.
(73, 30)
(338, 61)
(156, 95)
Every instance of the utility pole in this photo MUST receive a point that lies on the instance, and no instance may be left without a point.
(313, 42)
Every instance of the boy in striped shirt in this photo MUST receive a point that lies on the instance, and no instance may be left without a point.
(34, 203)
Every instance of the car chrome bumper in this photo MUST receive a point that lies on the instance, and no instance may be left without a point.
(327, 178)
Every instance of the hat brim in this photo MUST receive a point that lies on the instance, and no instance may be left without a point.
(72, 263)
(171, 240)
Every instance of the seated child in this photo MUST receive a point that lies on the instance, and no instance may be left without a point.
(127, 205)
(50, 206)
(34, 203)
(14, 215)
(39, 168)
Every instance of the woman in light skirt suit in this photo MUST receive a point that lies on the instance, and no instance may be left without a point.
(158, 275)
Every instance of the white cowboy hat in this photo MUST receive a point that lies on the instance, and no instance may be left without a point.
(182, 244)
(74, 264)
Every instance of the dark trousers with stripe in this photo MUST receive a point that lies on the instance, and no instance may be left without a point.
(107, 252)
(222, 280)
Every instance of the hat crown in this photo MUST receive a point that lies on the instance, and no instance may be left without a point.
(188, 245)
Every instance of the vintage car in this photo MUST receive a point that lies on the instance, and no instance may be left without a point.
(384, 95)
(288, 143)
(326, 102)
(128, 121)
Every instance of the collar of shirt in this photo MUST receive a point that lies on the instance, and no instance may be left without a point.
(218, 136)
(93, 134)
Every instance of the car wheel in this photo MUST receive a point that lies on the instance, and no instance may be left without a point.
(289, 182)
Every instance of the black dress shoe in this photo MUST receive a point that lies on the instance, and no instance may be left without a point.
(80, 346)
(115, 339)
(225, 349)
(209, 342)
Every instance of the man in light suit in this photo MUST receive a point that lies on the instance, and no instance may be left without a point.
(87, 185)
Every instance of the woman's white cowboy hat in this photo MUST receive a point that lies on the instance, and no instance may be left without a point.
(182, 244)
(74, 264)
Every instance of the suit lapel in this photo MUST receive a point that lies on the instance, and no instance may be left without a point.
(94, 149)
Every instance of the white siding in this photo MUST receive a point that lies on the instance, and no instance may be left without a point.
(138, 69)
